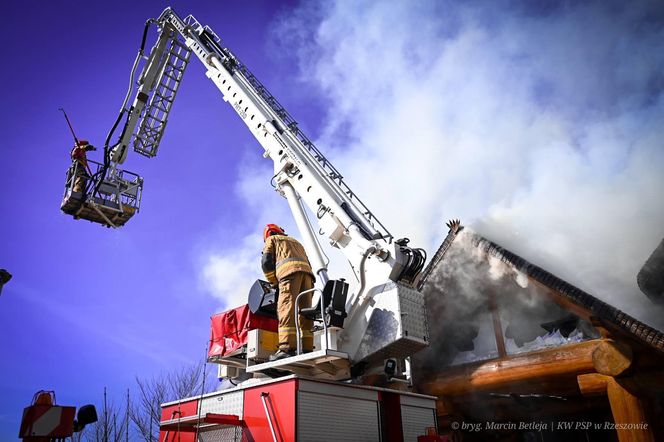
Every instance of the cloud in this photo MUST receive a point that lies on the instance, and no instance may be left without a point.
(539, 127)
(229, 275)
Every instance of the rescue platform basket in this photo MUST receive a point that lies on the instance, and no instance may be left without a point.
(111, 203)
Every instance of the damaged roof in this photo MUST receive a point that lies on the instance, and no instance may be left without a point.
(570, 296)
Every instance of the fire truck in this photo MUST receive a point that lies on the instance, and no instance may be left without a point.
(355, 385)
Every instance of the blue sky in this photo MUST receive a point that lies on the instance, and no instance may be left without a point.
(90, 307)
(540, 127)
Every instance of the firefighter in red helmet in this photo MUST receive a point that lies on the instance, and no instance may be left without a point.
(83, 172)
(286, 265)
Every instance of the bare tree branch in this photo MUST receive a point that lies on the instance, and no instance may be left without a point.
(145, 411)
(110, 427)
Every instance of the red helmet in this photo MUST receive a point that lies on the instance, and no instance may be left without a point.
(272, 229)
(43, 397)
(83, 143)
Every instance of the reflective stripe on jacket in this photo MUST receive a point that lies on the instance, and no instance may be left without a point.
(283, 256)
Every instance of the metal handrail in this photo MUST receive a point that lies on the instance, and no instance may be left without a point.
(297, 318)
(264, 396)
(127, 188)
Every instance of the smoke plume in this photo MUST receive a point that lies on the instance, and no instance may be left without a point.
(540, 126)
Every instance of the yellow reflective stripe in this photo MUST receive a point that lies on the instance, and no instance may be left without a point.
(303, 266)
(288, 260)
(289, 329)
(292, 264)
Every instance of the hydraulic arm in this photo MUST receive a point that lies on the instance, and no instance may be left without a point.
(302, 173)
(385, 268)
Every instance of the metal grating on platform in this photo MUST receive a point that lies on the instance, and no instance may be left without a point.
(327, 364)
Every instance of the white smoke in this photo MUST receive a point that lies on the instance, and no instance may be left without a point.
(541, 128)
(229, 269)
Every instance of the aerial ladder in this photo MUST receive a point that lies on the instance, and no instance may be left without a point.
(382, 318)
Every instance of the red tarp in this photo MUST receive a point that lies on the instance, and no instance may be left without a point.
(230, 329)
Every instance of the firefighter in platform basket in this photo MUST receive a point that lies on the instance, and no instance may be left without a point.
(83, 172)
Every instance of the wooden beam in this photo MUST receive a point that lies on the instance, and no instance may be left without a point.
(601, 327)
(612, 358)
(540, 366)
(628, 412)
(497, 326)
(592, 384)
(561, 300)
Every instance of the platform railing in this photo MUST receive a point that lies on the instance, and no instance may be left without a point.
(119, 193)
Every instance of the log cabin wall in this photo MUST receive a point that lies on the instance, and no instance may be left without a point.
(509, 349)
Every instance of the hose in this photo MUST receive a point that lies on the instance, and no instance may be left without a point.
(123, 109)
(415, 264)
(369, 251)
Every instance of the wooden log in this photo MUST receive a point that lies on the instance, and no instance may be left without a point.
(612, 358)
(562, 301)
(592, 384)
(600, 326)
(497, 326)
(628, 413)
(540, 366)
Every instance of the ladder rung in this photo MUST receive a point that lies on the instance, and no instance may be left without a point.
(173, 89)
(161, 96)
(177, 55)
(155, 106)
(154, 123)
(177, 79)
(162, 104)
(168, 87)
(150, 135)
(176, 67)
(176, 61)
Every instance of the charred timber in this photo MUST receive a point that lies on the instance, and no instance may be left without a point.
(612, 358)
(576, 300)
(543, 366)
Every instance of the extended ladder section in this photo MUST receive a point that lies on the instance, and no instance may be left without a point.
(157, 88)
(155, 115)
(288, 124)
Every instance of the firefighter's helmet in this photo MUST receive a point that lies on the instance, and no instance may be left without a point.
(272, 229)
(43, 397)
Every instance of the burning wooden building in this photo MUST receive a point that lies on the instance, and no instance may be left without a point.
(518, 354)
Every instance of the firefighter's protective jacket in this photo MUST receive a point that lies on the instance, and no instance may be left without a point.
(79, 154)
(283, 256)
